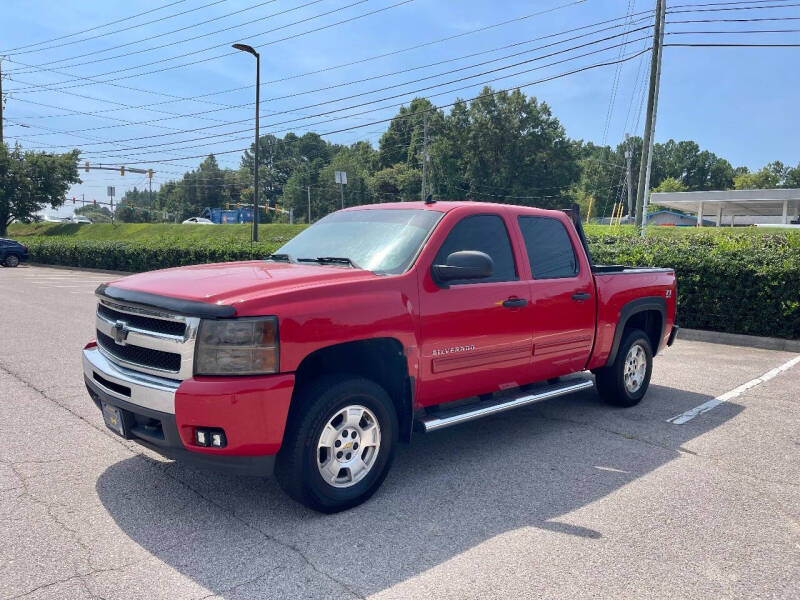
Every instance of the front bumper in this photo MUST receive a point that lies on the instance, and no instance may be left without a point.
(162, 413)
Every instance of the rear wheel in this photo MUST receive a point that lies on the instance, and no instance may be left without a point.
(12, 260)
(625, 382)
(338, 449)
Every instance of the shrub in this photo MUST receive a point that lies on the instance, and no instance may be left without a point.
(733, 281)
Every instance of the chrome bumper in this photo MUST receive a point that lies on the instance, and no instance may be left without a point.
(155, 393)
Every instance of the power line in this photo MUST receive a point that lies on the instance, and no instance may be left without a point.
(104, 152)
(210, 58)
(763, 7)
(615, 84)
(711, 45)
(152, 10)
(16, 50)
(382, 75)
(197, 98)
(167, 33)
(439, 107)
(352, 96)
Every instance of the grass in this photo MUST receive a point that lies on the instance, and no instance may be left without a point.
(162, 232)
(723, 238)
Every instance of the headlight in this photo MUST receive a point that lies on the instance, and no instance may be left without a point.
(246, 346)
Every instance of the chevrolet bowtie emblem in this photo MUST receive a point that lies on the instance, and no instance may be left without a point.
(120, 332)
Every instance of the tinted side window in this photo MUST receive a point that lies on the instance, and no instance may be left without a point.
(484, 233)
(550, 250)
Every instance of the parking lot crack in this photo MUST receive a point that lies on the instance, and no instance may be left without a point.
(232, 513)
(46, 396)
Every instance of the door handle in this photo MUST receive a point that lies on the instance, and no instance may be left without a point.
(515, 303)
(580, 297)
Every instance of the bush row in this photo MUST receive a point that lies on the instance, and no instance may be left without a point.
(141, 256)
(739, 284)
(746, 284)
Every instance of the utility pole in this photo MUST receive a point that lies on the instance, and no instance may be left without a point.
(628, 159)
(652, 105)
(425, 156)
(308, 218)
(1, 101)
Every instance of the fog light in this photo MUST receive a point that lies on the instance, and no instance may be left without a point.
(201, 437)
(210, 436)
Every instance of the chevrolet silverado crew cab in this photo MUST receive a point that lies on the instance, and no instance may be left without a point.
(374, 322)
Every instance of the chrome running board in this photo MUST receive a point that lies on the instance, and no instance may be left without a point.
(470, 412)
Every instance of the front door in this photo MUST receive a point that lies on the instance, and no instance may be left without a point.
(475, 336)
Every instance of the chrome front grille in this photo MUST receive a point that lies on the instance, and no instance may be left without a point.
(143, 322)
(147, 340)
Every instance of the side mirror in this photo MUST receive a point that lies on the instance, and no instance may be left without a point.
(466, 264)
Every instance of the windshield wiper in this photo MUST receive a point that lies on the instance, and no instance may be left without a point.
(330, 260)
(279, 257)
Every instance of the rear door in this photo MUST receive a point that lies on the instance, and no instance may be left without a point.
(563, 297)
(475, 336)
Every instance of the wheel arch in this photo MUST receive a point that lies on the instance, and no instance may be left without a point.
(648, 314)
(382, 360)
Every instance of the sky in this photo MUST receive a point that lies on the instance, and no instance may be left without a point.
(155, 84)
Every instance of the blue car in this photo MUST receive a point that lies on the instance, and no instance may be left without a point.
(12, 253)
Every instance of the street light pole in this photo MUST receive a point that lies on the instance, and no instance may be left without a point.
(251, 50)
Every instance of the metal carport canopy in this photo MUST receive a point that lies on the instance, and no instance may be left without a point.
(781, 203)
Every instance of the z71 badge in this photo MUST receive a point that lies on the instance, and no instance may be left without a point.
(453, 350)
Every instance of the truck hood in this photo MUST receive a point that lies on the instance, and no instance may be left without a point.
(234, 283)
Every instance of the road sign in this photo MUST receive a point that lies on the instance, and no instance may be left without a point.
(110, 191)
(341, 177)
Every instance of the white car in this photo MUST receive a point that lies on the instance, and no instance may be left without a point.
(81, 219)
(198, 221)
(52, 219)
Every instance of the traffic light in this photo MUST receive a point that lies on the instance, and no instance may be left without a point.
(150, 173)
(73, 199)
(122, 170)
(95, 201)
(86, 166)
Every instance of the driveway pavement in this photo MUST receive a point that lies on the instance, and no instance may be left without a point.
(564, 499)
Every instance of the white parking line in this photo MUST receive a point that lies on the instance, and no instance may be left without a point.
(707, 406)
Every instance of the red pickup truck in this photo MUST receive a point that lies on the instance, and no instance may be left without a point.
(375, 322)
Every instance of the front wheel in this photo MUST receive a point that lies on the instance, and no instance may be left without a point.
(625, 382)
(338, 448)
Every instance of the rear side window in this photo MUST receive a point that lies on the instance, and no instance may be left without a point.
(484, 233)
(550, 250)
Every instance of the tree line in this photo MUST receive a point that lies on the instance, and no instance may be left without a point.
(500, 147)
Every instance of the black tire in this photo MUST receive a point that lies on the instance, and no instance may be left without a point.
(12, 260)
(296, 468)
(611, 380)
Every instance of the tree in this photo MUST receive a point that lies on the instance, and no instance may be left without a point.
(31, 180)
(397, 183)
(670, 184)
(504, 147)
(764, 179)
(793, 177)
(404, 140)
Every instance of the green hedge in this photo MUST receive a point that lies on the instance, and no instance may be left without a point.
(141, 256)
(738, 282)
(734, 282)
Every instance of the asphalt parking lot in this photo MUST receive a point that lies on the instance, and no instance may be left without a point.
(565, 499)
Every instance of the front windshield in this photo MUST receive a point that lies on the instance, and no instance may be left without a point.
(379, 240)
